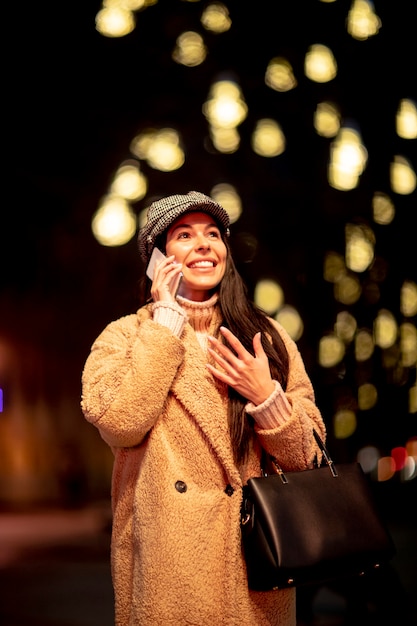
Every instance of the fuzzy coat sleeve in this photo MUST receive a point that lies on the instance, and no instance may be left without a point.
(130, 365)
(294, 438)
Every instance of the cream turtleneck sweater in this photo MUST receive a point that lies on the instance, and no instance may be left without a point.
(204, 318)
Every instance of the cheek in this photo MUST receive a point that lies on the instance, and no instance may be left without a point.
(172, 248)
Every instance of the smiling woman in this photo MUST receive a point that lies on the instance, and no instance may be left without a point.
(187, 392)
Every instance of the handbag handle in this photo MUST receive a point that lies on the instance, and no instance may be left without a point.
(324, 450)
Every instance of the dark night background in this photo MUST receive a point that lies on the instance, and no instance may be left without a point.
(74, 100)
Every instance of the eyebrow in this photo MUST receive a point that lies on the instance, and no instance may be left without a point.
(184, 225)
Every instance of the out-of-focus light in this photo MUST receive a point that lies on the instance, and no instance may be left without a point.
(344, 423)
(227, 196)
(279, 75)
(411, 447)
(362, 21)
(386, 468)
(408, 298)
(345, 326)
(331, 351)
(364, 345)
(268, 295)
(327, 119)
(408, 344)
(367, 396)
(189, 49)
(268, 140)
(160, 148)
(216, 18)
(402, 176)
(385, 329)
(290, 319)
(225, 107)
(115, 21)
(1, 400)
(348, 158)
(347, 289)
(225, 140)
(409, 471)
(114, 222)
(320, 64)
(399, 454)
(334, 267)
(383, 208)
(406, 119)
(129, 182)
(368, 457)
(360, 241)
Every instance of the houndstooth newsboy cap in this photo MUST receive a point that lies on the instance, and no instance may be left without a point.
(162, 213)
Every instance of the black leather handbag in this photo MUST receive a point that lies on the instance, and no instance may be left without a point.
(311, 526)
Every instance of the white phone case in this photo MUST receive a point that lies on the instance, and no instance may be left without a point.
(156, 255)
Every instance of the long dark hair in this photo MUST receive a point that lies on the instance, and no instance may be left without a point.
(244, 319)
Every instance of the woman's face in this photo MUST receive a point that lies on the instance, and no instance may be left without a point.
(196, 242)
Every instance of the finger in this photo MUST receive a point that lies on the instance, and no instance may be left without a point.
(234, 342)
(164, 263)
(223, 350)
(257, 345)
(219, 374)
(224, 364)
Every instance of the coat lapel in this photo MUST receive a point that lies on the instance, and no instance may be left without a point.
(196, 389)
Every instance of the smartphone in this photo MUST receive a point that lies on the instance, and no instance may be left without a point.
(157, 256)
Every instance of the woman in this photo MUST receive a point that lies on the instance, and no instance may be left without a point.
(187, 392)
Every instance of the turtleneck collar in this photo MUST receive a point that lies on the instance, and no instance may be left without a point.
(200, 315)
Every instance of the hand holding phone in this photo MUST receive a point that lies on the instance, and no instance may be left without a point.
(157, 256)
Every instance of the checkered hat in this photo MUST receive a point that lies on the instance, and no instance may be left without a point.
(163, 212)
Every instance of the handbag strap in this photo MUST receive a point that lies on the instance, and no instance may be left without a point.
(325, 452)
(280, 471)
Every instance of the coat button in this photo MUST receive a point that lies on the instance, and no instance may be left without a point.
(180, 486)
(229, 490)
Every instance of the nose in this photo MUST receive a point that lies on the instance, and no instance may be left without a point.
(202, 243)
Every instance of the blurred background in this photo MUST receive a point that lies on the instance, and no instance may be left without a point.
(300, 117)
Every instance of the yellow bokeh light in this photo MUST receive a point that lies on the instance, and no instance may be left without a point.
(279, 75)
(344, 423)
(290, 319)
(268, 139)
(268, 295)
(367, 396)
(320, 64)
(364, 345)
(114, 222)
(331, 351)
(385, 329)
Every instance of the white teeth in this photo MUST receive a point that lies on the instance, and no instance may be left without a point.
(202, 264)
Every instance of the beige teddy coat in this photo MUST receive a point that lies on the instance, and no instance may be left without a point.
(176, 491)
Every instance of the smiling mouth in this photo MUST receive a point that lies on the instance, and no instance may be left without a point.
(201, 264)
